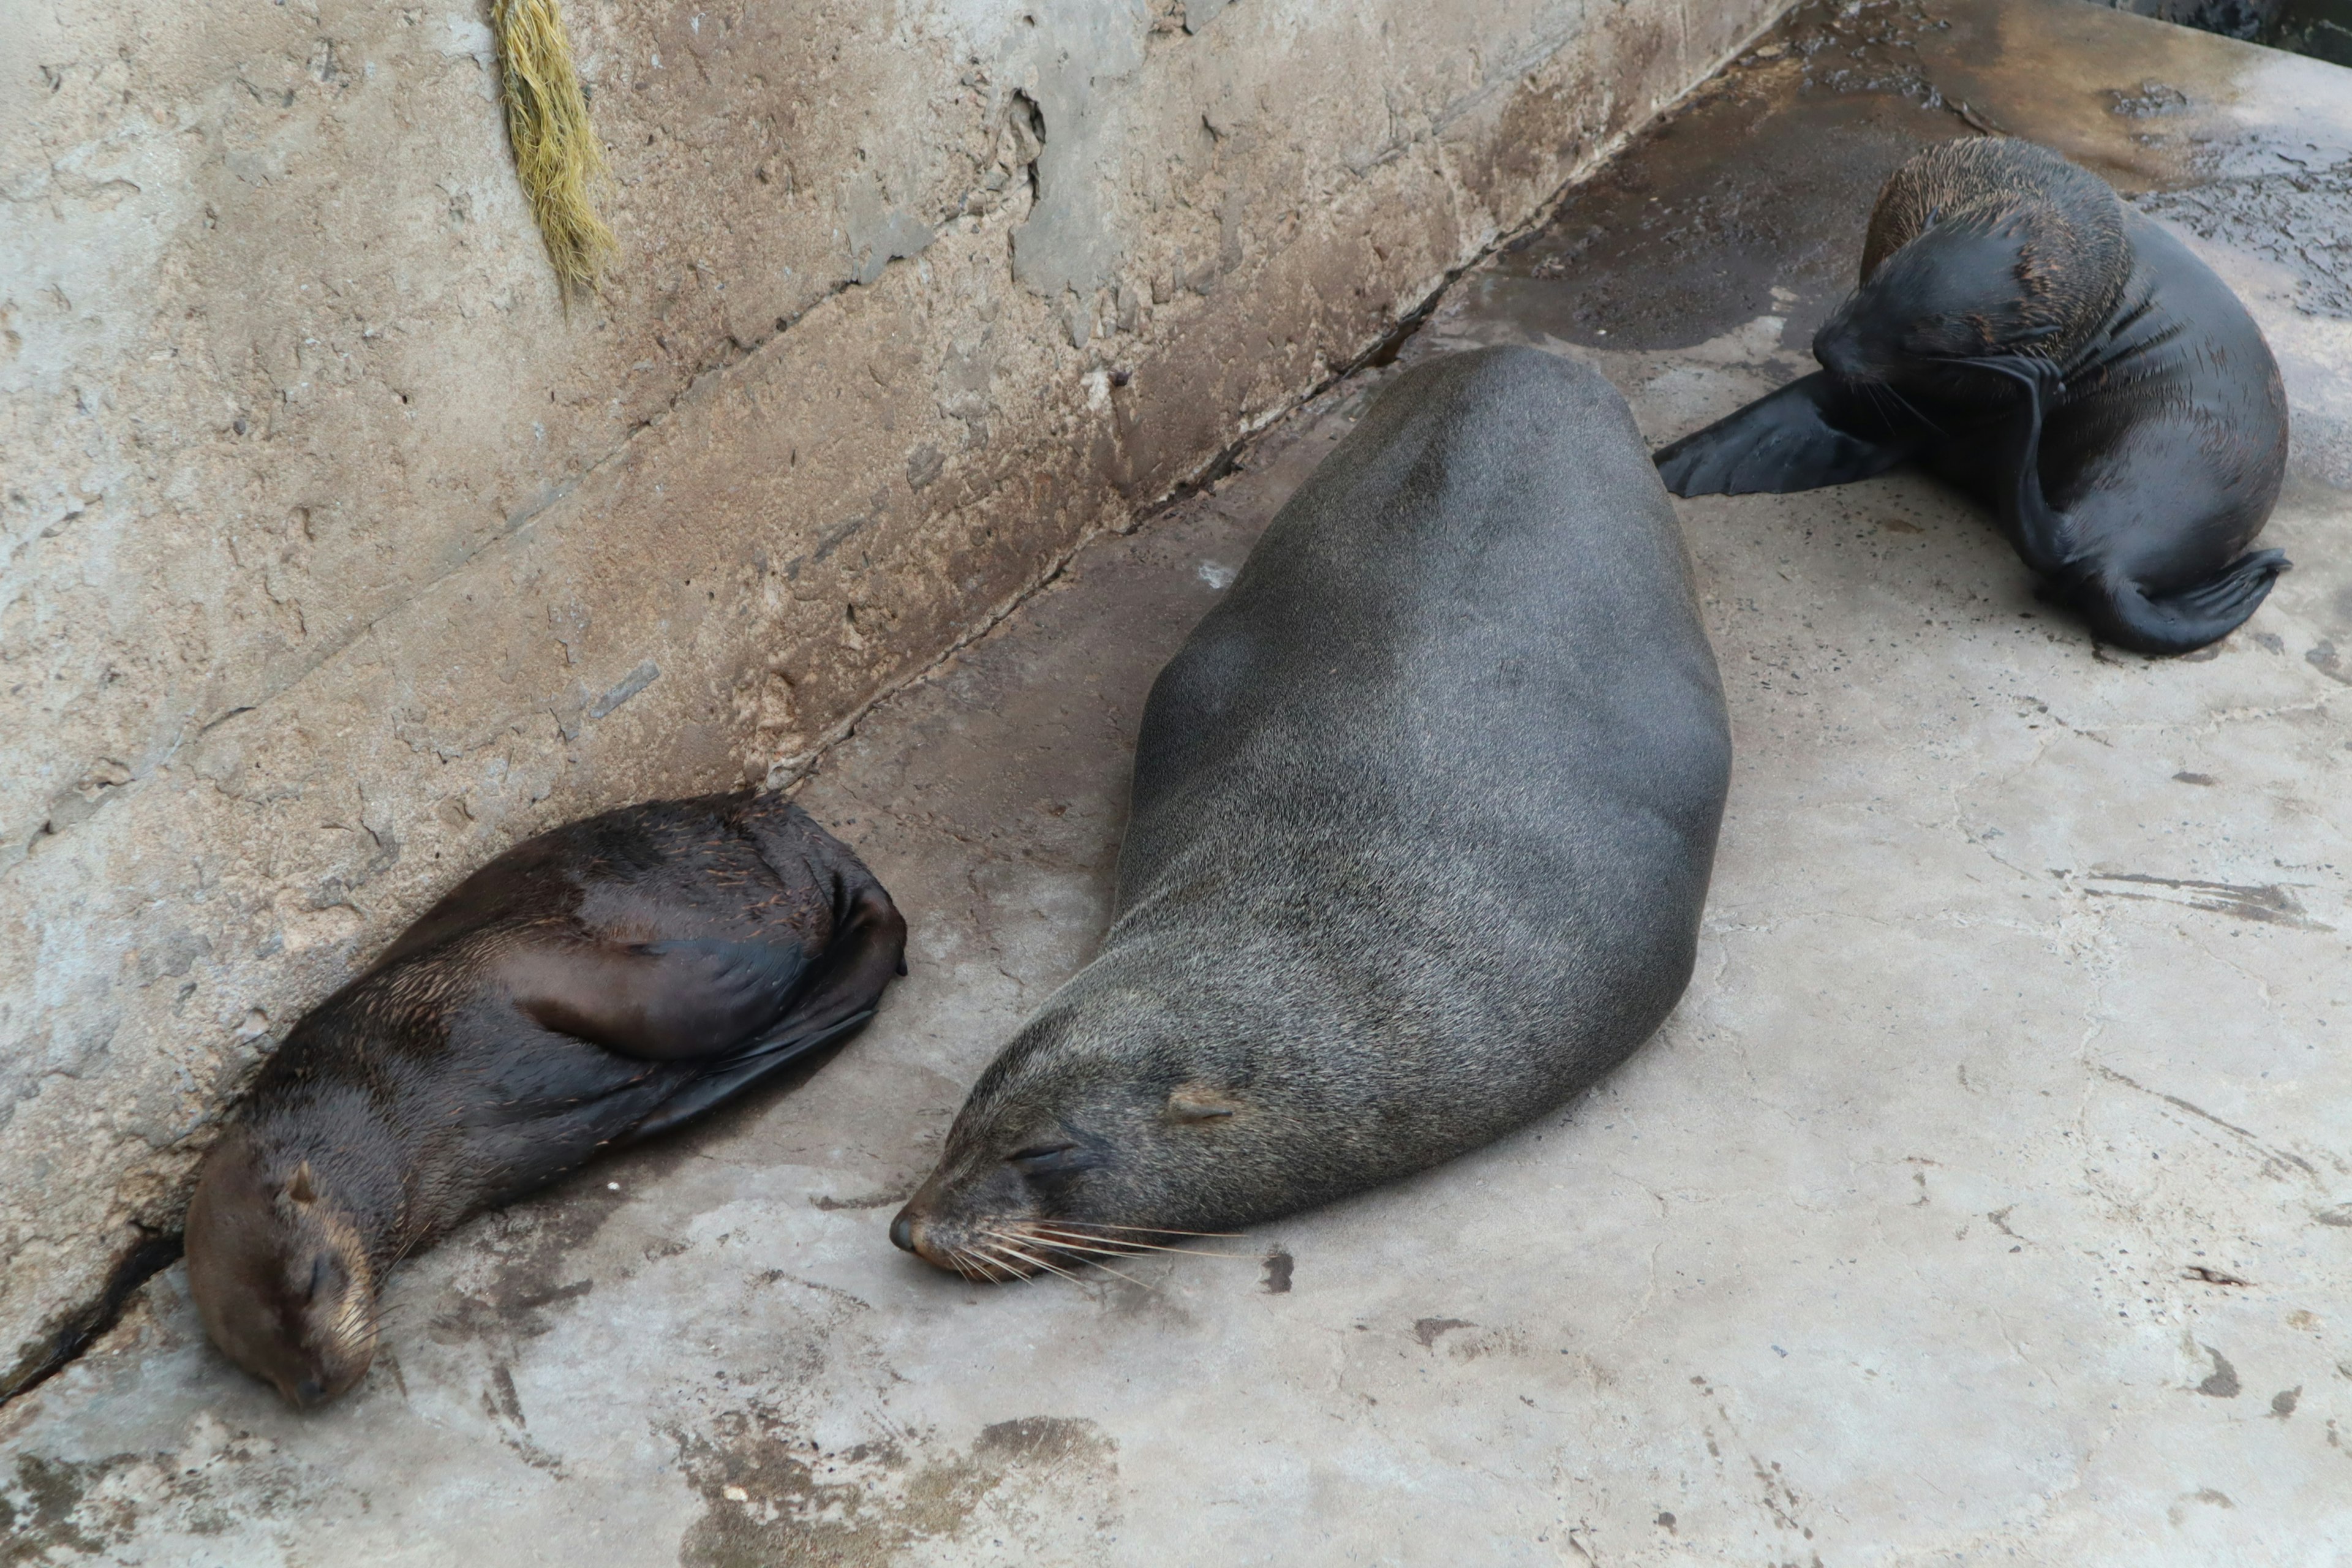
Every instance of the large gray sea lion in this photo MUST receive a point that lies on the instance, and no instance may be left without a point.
(588, 988)
(1422, 820)
(2066, 360)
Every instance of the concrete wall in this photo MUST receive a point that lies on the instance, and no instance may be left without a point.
(339, 556)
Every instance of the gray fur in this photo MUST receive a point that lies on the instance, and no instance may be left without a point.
(1422, 820)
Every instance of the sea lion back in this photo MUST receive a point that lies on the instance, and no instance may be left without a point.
(1422, 820)
(1466, 661)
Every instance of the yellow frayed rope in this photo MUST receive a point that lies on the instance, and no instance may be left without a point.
(557, 155)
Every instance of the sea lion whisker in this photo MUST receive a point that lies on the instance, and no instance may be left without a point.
(1085, 1244)
(1116, 1246)
(972, 1266)
(1107, 1268)
(1008, 1247)
(1914, 410)
(994, 1260)
(1147, 1229)
(1012, 1257)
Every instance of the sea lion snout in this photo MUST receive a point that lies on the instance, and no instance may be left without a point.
(1952, 294)
(975, 1216)
(1065, 1156)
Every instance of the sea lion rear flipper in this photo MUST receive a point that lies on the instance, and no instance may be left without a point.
(665, 1001)
(772, 1054)
(2183, 622)
(1812, 433)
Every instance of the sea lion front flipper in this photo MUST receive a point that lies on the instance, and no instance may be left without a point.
(663, 1000)
(868, 951)
(1812, 433)
(2043, 535)
(2181, 623)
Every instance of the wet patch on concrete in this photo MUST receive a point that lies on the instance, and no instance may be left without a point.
(772, 1496)
(215, 1482)
(526, 1261)
(2299, 215)
(1675, 243)
(41, 1508)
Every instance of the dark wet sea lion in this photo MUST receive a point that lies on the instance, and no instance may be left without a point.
(2068, 360)
(1422, 818)
(588, 988)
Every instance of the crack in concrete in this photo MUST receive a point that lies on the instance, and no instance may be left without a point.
(2253, 1139)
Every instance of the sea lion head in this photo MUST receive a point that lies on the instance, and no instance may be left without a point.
(1952, 295)
(279, 1272)
(1980, 248)
(1098, 1130)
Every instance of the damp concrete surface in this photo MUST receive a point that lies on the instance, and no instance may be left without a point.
(1989, 1198)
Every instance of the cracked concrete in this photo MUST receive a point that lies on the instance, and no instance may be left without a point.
(1987, 1199)
(339, 554)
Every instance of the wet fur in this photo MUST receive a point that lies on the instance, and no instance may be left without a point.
(1422, 820)
(2065, 360)
(592, 986)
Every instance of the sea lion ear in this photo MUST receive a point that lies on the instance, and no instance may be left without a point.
(300, 1189)
(1199, 1100)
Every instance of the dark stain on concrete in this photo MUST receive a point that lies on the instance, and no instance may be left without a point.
(2268, 904)
(772, 1496)
(534, 1245)
(2222, 1383)
(2205, 1276)
(2277, 1158)
(1427, 1330)
(41, 1509)
(1278, 1265)
(868, 1201)
(509, 1404)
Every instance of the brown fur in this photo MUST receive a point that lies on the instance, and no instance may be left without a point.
(592, 986)
(2076, 257)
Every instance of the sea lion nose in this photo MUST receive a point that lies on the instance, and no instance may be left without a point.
(308, 1391)
(1838, 347)
(902, 1232)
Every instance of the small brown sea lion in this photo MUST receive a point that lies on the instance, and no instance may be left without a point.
(588, 988)
(1422, 820)
(2037, 342)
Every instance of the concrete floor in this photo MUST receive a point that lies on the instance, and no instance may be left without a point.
(1989, 1198)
